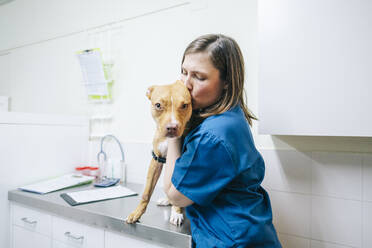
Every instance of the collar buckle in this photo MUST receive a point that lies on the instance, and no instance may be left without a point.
(159, 159)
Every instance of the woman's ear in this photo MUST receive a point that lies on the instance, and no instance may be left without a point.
(149, 92)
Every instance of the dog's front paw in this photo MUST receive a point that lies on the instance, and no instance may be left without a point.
(135, 215)
(163, 202)
(176, 218)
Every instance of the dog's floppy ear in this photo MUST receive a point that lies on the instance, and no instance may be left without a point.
(149, 92)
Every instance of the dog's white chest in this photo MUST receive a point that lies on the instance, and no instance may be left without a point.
(163, 148)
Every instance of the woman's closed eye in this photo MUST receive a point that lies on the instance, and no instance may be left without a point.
(199, 77)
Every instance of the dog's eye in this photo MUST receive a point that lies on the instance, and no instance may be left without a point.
(157, 106)
(184, 106)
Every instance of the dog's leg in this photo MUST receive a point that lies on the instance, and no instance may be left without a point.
(151, 180)
(176, 216)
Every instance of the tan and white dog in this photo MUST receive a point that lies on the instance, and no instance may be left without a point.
(171, 110)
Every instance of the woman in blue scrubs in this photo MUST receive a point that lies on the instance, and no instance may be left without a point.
(216, 171)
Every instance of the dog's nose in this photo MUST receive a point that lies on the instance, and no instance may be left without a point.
(172, 127)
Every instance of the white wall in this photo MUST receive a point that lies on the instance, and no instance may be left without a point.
(36, 147)
(314, 176)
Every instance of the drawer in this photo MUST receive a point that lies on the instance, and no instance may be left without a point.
(24, 238)
(32, 220)
(76, 234)
(58, 244)
(124, 240)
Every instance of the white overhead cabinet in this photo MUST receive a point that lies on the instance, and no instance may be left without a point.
(315, 67)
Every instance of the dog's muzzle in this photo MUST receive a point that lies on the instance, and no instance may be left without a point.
(172, 130)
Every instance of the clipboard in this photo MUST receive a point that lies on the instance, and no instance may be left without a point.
(96, 195)
(58, 183)
(96, 74)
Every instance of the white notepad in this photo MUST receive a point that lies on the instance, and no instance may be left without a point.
(62, 182)
(94, 195)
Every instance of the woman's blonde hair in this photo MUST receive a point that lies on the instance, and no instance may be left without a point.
(226, 56)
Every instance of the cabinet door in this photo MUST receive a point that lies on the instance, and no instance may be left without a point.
(32, 220)
(114, 240)
(57, 244)
(24, 238)
(76, 234)
(315, 67)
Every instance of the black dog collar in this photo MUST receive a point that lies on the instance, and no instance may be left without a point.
(159, 159)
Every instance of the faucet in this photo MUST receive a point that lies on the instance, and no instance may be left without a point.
(101, 152)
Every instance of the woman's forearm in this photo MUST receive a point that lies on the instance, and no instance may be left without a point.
(173, 153)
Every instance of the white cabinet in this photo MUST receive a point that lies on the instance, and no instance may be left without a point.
(115, 240)
(34, 228)
(57, 244)
(42, 230)
(26, 238)
(315, 67)
(32, 220)
(77, 235)
(31, 227)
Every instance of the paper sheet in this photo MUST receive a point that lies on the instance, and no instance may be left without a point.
(93, 73)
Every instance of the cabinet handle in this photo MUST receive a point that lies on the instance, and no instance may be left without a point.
(24, 219)
(79, 238)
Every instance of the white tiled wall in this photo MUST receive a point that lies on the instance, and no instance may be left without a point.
(367, 224)
(367, 177)
(293, 241)
(318, 244)
(320, 199)
(337, 175)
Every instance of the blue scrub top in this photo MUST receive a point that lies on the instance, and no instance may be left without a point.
(220, 170)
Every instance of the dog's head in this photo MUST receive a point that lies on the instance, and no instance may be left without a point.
(170, 108)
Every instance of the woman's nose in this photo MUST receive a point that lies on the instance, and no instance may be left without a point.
(188, 83)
